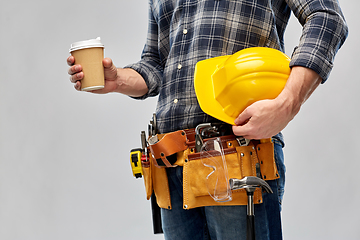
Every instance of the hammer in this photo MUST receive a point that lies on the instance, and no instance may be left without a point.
(250, 184)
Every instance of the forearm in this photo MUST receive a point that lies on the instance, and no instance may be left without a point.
(300, 85)
(130, 82)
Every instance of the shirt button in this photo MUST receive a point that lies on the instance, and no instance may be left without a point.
(179, 66)
(176, 100)
(185, 31)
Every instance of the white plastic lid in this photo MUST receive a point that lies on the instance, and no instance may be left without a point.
(86, 44)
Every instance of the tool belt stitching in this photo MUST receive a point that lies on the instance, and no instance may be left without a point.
(169, 144)
(178, 149)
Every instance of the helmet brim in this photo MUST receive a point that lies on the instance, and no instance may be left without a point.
(205, 91)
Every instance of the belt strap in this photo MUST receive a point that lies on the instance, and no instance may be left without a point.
(169, 144)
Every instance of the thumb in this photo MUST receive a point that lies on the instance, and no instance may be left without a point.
(110, 69)
(107, 62)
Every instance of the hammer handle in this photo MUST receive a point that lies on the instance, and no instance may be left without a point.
(250, 234)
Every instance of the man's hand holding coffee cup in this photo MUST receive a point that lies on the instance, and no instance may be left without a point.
(110, 75)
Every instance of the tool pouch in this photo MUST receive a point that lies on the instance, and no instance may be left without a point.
(256, 159)
(148, 180)
(156, 181)
(165, 150)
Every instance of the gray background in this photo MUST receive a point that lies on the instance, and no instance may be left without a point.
(64, 155)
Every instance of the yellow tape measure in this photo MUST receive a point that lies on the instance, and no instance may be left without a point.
(135, 161)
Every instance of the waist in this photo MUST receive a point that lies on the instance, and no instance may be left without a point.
(172, 118)
(167, 149)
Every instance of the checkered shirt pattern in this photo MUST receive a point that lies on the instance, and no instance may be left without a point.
(183, 32)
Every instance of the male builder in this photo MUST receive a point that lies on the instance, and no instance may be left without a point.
(183, 32)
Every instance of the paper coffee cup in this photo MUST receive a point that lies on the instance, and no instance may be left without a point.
(89, 54)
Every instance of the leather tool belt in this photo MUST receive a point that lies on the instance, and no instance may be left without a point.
(178, 149)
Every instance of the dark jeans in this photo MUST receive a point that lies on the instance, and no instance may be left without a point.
(223, 222)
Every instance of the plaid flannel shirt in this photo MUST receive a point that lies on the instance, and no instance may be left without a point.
(183, 32)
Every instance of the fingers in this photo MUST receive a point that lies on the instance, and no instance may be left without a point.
(77, 86)
(76, 74)
(75, 71)
(70, 60)
(244, 124)
(242, 130)
(243, 118)
(262, 119)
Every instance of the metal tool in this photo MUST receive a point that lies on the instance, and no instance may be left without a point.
(243, 141)
(145, 160)
(153, 126)
(210, 130)
(250, 184)
(198, 138)
(155, 209)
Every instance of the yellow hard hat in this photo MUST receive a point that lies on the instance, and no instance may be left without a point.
(226, 85)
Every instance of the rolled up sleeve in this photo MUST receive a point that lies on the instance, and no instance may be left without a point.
(150, 66)
(324, 32)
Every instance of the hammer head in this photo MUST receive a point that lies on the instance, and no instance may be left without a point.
(248, 183)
